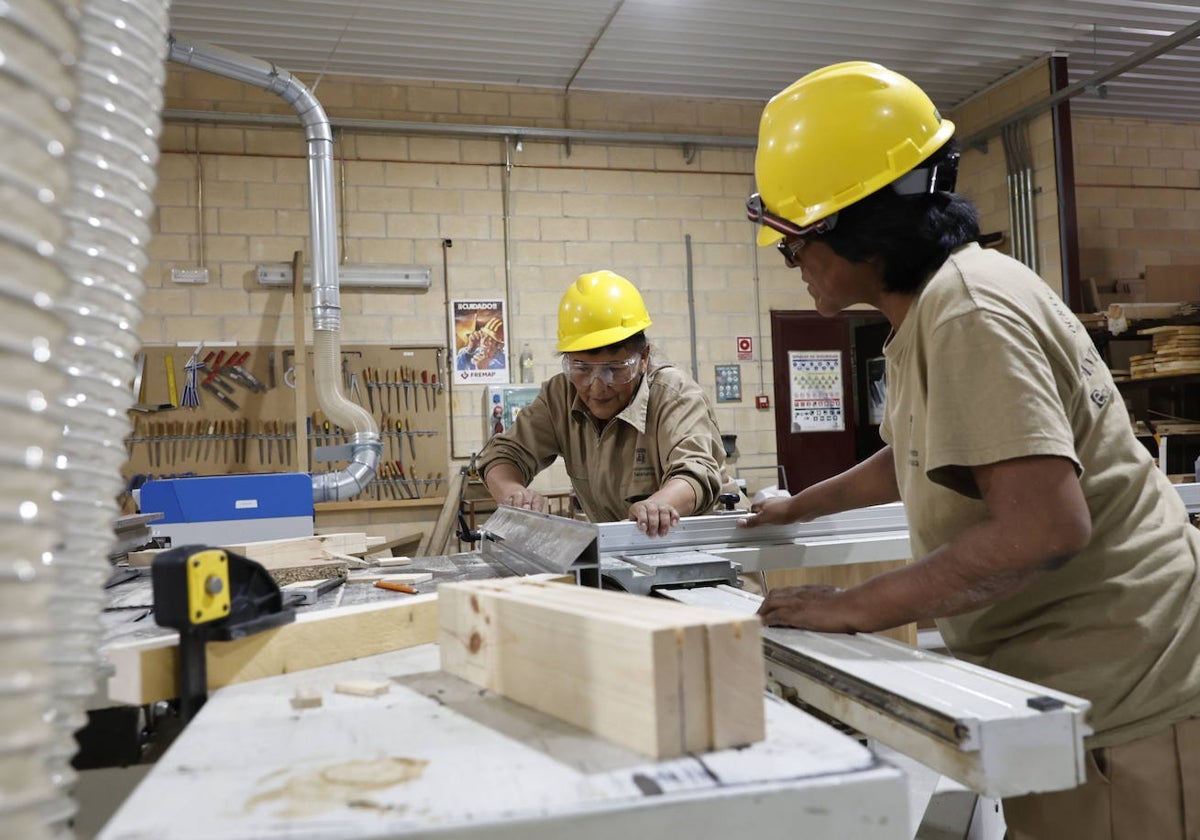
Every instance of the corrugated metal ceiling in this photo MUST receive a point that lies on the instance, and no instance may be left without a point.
(746, 49)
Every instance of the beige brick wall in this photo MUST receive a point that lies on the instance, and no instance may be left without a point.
(628, 208)
(983, 173)
(1138, 188)
(624, 207)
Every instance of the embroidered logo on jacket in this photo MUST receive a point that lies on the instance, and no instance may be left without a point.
(639, 455)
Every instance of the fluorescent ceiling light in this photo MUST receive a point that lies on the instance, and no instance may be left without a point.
(375, 276)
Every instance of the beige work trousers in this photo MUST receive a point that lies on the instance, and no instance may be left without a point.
(1144, 790)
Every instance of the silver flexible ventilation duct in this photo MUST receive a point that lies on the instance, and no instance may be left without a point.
(39, 45)
(327, 310)
(112, 170)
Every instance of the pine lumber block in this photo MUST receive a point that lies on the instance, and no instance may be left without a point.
(695, 715)
(147, 670)
(639, 671)
(348, 559)
(616, 679)
(408, 543)
(307, 698)
(389, 561)
(734, 660)
(355, 542)
(411, 578)
(362, 688)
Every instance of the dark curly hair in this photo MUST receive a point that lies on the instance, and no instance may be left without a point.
(911, 234)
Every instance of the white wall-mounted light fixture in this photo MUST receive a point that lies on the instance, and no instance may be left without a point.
(376, 276)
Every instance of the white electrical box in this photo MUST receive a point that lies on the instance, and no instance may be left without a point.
(189, 275)
(502, 404)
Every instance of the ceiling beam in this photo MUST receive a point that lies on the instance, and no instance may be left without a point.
(1092, 82)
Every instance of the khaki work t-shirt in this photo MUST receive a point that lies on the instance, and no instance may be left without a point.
(990, 365)
(667, 431)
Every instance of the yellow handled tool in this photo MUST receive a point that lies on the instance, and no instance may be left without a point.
(173, 395)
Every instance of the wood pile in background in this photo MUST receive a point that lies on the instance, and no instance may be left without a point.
(1176, 350)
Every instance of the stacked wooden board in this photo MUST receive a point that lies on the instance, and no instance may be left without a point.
(1176, 350)
(304, 558)
(661, 678)
(146, 669)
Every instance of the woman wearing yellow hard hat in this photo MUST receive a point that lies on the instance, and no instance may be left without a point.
(639, 440)
(1047, 544)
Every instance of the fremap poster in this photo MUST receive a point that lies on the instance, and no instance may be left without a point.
(480, 347)
(816, 380)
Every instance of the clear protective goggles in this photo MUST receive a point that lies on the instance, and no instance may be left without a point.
(610, 373)
(756, 211)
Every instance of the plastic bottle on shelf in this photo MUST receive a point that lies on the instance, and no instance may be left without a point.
(526, 364)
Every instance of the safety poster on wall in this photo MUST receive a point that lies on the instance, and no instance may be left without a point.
(480, 349)
(816, 382)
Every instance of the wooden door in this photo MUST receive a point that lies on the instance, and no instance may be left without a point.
(822, 425)
(809, 456)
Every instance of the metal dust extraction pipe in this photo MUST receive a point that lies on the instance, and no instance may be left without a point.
(38, 43)
(116, 118)
(327, 310)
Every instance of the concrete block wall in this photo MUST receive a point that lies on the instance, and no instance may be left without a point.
(1138, 189)
(628, 208)
(576, 208)
(983, 173)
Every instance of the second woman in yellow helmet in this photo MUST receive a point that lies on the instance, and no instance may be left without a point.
(639, 440)
(1047, 544)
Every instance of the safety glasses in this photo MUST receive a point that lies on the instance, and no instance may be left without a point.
(791, 250)
(610, 373)
(756, 211)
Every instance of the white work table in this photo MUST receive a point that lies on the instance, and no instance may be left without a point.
(437, 756)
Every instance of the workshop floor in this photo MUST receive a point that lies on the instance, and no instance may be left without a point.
(99, 793)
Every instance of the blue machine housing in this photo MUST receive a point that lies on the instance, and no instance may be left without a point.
(227, 509)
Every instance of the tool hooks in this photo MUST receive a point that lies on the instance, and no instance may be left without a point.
(191, 396)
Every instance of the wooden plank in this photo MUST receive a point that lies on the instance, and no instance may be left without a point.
(444, 526)
(844, 577)
(353, 542)
(147, 670)
(408, 542)
(734, 660)
(705, 681)
(282, 554)
(617, 679)
(300, 362)
(691, 643)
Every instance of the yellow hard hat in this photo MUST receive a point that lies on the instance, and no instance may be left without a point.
(834, 137)
(494, 329)
(599, 309)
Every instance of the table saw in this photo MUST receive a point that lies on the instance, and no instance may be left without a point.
(437, 757)
(242, 764)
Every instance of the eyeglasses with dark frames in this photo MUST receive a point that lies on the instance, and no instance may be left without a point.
(756, 211)
(791, 250)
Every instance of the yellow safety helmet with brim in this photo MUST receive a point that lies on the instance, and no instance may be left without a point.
(494, 329)
(833, 137)
(599, 309)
